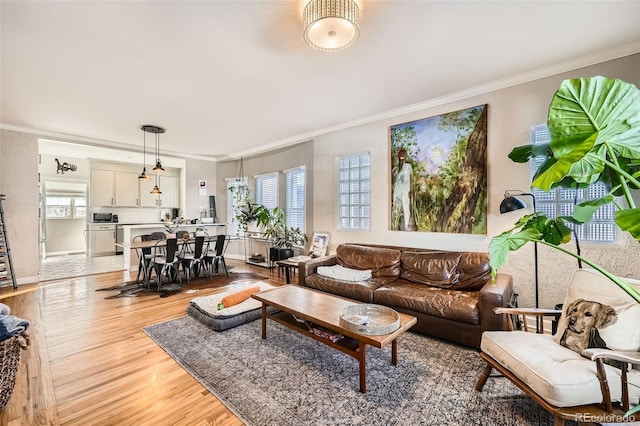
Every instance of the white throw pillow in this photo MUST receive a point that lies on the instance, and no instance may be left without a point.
(598, 313)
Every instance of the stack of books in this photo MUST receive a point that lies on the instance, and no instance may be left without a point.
(325, 333)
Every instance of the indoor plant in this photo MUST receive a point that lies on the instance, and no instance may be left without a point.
(282, 237)
(594, 127)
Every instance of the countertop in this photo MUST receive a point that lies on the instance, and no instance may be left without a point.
(161, 225)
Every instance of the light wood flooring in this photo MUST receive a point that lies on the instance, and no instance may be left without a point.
(90, 363)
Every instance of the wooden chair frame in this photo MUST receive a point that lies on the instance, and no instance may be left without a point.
(605, 412)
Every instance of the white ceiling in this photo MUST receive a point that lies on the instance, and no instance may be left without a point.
(228, 78)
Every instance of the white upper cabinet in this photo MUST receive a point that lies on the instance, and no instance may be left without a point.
(170, 193)
(102, 188)
(146, 198)
(126, 189)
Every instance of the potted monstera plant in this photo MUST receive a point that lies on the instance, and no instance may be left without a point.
(594, 127)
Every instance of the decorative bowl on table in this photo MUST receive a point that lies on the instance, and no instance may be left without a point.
(370, 319)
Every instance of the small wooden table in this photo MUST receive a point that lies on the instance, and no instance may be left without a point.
(289, 267)
(324, 309)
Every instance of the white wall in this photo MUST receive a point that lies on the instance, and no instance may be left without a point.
(511, 114)
(19, 182)
(196, 171)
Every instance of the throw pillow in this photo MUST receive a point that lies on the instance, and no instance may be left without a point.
(599, 314)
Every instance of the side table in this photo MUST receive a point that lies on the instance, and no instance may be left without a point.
(291, 265)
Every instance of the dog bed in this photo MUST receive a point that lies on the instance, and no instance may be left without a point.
(205, 309)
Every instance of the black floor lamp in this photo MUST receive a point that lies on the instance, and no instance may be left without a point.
(513, 203)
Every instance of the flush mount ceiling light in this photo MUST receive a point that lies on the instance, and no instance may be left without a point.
(331, 25)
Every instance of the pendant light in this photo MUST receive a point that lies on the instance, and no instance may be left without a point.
(158, 168)
(144, 176)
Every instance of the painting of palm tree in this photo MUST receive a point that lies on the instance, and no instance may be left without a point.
(439, 173)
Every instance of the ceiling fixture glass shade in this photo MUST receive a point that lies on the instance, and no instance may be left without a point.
(331, 25)
(144, 175)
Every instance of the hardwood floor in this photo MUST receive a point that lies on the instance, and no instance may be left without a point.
(90, 363)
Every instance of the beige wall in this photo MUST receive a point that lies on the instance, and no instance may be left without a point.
(197, 170)
(19, 182)
(512, 112)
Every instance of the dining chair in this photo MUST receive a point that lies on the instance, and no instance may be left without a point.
(192, 260)
(144, 258)
(214, 258)
(167, 263)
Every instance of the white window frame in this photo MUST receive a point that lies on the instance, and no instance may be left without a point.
(354, 192)
(73, 206)
(295, 202)
(560, 201)
(267, 190)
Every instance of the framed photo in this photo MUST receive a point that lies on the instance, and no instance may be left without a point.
(439, 173)
(319, 244)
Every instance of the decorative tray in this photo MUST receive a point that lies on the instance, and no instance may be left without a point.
(373, 320)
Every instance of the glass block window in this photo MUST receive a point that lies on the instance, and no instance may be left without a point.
(354, 192)
(267, 190)
(560, 201)
(295, 193)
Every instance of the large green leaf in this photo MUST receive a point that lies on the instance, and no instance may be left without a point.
(582, 107)
(629, 220)
(562, 166)
(584, 211)
(507, 241)
(522, 154)
(586, 112)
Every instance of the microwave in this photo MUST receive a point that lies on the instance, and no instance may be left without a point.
(102, 217)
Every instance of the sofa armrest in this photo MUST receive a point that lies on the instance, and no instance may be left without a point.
(309, 267)
(495, 295)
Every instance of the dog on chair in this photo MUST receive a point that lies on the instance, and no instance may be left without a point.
(584, 318)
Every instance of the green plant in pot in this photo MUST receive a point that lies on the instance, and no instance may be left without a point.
(594, 127)
(282, 237)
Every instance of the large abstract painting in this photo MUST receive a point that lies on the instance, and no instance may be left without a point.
(439, 173)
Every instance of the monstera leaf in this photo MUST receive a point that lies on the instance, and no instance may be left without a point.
(594, 129)
(590, 119)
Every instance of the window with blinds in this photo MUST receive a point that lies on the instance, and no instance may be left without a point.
(233, 200)
(295, 195)
(560, 201)
(267, 190)
(354, 191)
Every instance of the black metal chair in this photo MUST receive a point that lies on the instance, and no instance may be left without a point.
(191, 261)
(144, 259)
(169, 263)
(214, 258)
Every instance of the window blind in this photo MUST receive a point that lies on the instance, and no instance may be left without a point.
(295, 197)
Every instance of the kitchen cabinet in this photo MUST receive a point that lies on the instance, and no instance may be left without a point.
(170, 192)
(102, 188)
(127, 194)
(102, 239)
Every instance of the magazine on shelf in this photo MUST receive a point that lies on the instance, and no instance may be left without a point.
(325, 333)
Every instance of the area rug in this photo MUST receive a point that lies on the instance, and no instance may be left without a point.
(131, 289)
(289, 379)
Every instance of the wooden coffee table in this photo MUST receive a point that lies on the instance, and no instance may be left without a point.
(324, 309)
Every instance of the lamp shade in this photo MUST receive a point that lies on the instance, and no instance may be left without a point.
(510, 204)
(331, 25)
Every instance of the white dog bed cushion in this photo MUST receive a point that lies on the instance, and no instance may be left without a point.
(205, 309)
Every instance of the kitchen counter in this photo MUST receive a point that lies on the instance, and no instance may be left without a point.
(130, 257)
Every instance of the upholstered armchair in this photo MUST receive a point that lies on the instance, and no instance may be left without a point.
(589, 370)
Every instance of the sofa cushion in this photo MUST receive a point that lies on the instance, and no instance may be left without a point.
(447, 269)
(598, 313)
(445, 303)
(357, 290)
(474, 271)
(439, 269)
(560, 376)
(383, 262)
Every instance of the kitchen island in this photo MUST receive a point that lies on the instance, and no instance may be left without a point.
(130, 256)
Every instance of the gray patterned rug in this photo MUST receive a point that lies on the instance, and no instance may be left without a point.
(289, 379)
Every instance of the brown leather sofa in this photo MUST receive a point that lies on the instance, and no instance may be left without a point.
(450, 293)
